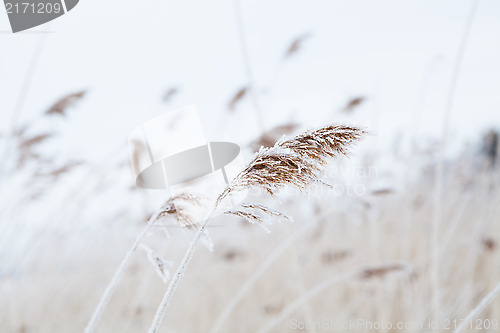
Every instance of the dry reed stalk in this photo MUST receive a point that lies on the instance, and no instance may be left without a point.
(382, 191)
(353, 103)
(103, 302)
(296, 45)
(245, 215)
(26, 146)
(169, 94)
(254, 218)
(238, 97)
(439, 171)
(65, 102)
(59, 171)
(56, 173)
(159, 264)
(360, 272)
(106, 296)
(28, 143)
(167, 297)
(479, 308)
(296, 162)
(251, 85)
(382, 271)
(175, 207)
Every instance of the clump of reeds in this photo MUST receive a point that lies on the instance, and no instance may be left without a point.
(27, 144)
(296, 162)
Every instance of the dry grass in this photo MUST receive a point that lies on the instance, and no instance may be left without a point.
(393, 228)
(296, 162)
(341, 235)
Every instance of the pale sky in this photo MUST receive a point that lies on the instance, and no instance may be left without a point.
(127, 54)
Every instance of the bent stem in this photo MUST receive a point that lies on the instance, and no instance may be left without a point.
(167, 297)
(103, 302)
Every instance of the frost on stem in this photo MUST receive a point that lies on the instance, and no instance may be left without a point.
(295, 162)
(159, 264)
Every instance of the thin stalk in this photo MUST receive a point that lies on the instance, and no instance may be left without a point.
(479, 308)
(167, 297)
(103, 302)
(248, 66)
(438, 188)
(271, 172)
(96, 316)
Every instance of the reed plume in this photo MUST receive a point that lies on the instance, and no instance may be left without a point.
(28, 143)
(176, 207)
(296, 45)
(57, 172)
(237, 98)
(353, 103)
(169, 94)
(62, 104)
(296, 162)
